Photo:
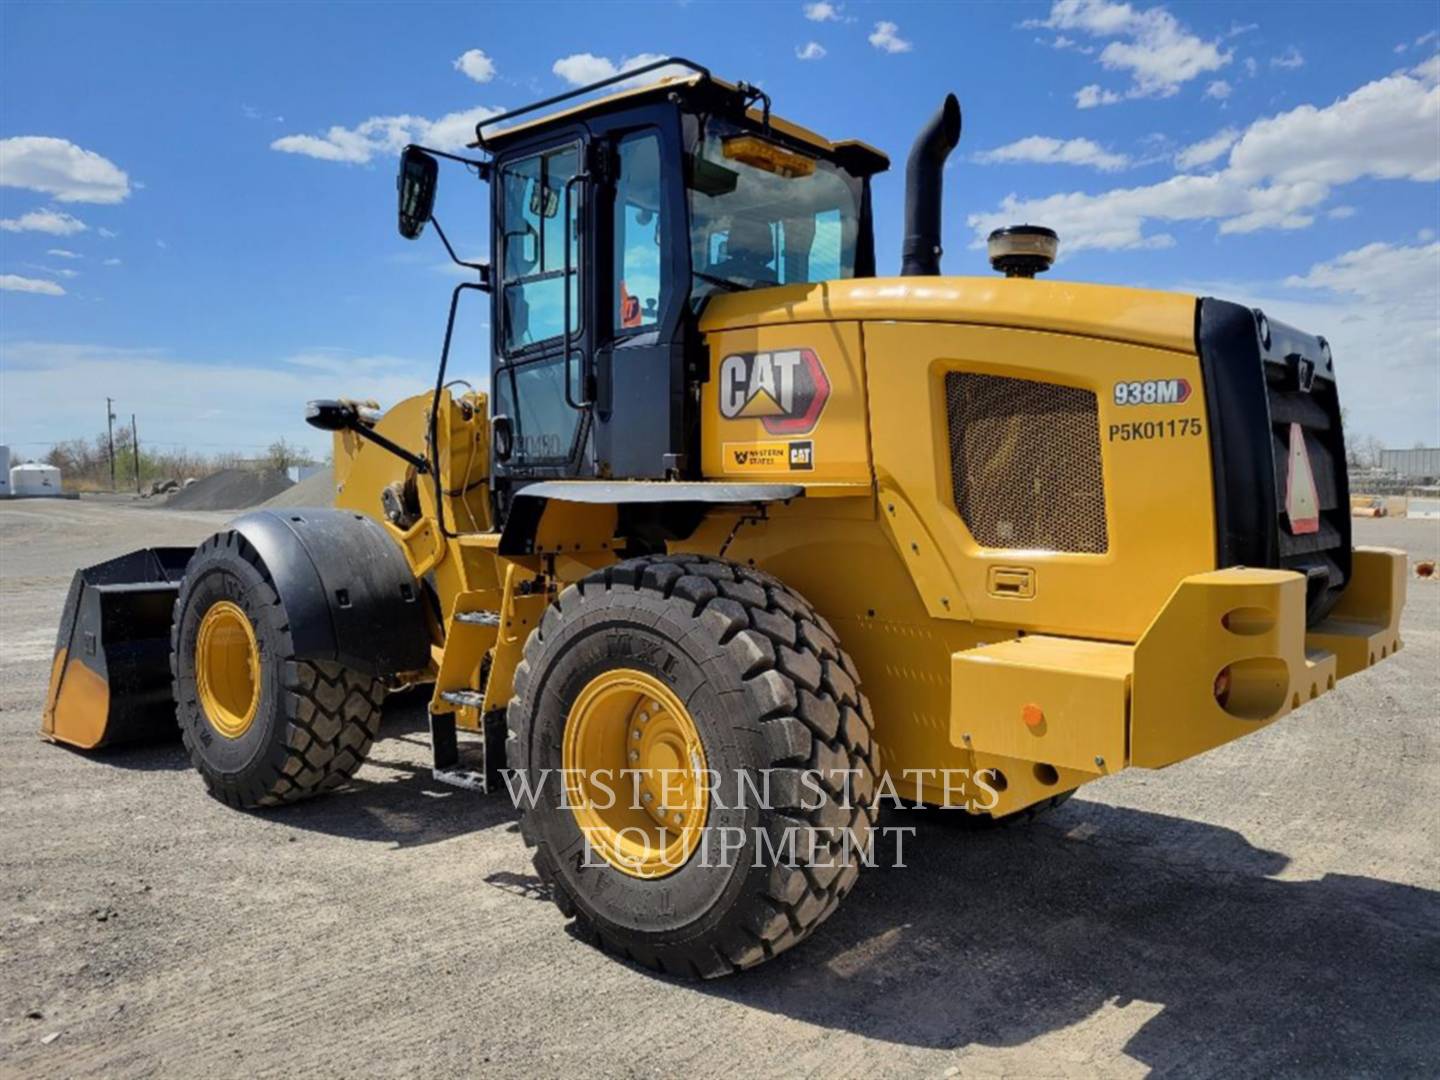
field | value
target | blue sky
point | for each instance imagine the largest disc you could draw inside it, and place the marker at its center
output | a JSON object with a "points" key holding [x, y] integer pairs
{"points": [[197, 201]]}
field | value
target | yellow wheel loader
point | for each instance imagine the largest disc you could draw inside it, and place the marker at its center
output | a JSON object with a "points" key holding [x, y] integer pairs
{"points": [[745, 540]]}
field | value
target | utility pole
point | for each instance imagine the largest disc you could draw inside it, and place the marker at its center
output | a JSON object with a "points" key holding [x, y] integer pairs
{"points": [[135, 445], [110, 427]]}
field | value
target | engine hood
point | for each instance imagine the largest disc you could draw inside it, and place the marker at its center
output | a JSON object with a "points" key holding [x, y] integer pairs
{"points": [[1164, 320]]}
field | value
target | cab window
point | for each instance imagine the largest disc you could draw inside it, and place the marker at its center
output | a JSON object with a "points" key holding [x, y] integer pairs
{"points": [[763, 214], [533, 235], [637, 234]]}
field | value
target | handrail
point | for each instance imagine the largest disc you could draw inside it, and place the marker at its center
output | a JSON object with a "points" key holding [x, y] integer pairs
{"points": [[623, 76], [568, 335]]}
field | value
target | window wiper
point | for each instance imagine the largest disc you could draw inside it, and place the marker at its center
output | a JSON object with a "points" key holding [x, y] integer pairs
{"points": [[724, 283]]}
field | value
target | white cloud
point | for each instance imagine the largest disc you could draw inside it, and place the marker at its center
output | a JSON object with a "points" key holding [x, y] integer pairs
{"points": [[1251, 66], [1206, 150], [1378, 273], [886, 37], [1279, 173], [1236, 29], [1157, 51], [1379, 292], [1340, 213], [46, 221], [16, 283], [1429, 70], [193, 401], [811, 50], [1063, 43], [581, 69], [1219, 90], [476, 65], [112, 262], [60, 272], [387, 135], [1290, 59], [1087, 97], [1388, 129], [820, 11], [59, 168], [108, 234], [62, 253], [1043, 150]]}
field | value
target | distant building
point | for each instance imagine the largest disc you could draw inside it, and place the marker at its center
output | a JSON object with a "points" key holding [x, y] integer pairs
{"points": [[34, 478], [1418, 464]]}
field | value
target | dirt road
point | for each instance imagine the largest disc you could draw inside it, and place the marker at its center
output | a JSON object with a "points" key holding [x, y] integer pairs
{"points": [[1268, 908]]}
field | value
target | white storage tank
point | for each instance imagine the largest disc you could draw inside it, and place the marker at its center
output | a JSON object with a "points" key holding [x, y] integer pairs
{"points": [[4, 471], [35, 479]]}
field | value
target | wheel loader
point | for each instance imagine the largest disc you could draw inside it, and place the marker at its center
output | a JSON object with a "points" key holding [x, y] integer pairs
{"points": [[745, 540]]}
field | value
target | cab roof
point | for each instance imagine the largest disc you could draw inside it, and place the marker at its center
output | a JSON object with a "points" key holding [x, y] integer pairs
{"points": [[860, 157]]}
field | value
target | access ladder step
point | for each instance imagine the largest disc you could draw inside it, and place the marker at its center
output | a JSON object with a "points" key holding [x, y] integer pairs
{"points": [[466, 699], [474, 763], [478, 618]]}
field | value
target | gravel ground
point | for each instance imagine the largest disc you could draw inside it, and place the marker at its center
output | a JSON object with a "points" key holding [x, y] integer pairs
{"points": [[1268, 908]]}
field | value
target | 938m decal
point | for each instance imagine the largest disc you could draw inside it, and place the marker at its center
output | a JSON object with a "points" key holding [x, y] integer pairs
{"points": [[785, 390], [1152, 392]]}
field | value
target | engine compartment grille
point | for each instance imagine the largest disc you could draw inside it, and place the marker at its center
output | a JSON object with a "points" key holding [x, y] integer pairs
{"points": [[1025, 463]]}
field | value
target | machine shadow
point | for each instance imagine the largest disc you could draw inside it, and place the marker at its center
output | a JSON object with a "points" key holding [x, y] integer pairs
{"points": [[997, 939], [394, 799]]}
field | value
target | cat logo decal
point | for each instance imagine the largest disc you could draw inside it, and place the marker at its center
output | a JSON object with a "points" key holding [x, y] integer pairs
{"points": [[785, 390]]}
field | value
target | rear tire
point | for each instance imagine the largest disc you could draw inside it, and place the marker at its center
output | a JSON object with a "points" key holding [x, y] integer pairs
{"points": [[310, 722], [766, 685]]}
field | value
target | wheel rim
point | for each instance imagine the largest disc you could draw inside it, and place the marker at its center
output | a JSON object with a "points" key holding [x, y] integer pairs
{"points": [[227, 669], [627, 732]]}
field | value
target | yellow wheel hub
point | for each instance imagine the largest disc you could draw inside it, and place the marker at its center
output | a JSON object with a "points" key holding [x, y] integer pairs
{"points": [[635, 774], [227, 669]]}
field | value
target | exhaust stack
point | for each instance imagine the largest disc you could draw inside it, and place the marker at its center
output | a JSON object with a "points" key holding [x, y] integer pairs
{"points": [[924, 180]]}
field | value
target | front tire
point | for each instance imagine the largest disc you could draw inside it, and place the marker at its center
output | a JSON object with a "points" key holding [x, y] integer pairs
{"points": [[261, 726], [731, 659]]}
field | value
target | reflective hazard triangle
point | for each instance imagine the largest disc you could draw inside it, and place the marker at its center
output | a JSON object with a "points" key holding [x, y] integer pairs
{"points": [[1302, 501]]}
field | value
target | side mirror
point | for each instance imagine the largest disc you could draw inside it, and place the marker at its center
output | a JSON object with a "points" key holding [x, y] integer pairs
{"points": [[416, 184]]}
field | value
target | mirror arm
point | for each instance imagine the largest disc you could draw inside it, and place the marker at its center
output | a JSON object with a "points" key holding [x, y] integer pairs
{"points": [[433, 438], [482, 168], [483, 269]]}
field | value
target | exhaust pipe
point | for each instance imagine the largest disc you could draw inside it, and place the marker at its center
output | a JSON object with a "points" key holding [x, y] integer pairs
{"points": [[924, 176]]}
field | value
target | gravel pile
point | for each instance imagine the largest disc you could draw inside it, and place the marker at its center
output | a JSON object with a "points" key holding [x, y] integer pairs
{"points": [[316, 490], [230, 489]]}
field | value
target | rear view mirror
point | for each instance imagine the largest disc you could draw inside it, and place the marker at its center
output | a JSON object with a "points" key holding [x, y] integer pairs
{"points": [[416, 184], [544, 201]]}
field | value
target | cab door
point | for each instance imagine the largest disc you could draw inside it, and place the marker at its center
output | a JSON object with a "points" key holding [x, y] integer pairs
{"points": [[538, 380], [642, 364]]}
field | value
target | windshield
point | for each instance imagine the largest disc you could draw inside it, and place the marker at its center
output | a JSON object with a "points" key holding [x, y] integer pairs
{"points": [[761, 214]]}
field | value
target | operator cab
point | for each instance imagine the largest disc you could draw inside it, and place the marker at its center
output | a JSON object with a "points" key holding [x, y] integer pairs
{"points": [[612, 222]]}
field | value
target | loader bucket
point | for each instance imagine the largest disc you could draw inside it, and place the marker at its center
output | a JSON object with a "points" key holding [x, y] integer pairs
{"points": [[110, 679]]}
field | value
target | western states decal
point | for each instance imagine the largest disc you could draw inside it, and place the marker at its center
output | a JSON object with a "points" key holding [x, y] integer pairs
{"points": [[797, 456], [785, 390]]}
